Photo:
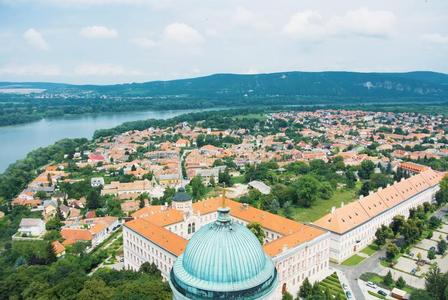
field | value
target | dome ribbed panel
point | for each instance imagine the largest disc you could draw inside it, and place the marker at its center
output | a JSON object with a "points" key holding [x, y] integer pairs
{"points": [[224, 253]]}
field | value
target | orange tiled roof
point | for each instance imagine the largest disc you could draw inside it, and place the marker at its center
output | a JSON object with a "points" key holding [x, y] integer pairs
{"points": [[159, 235], [73, 235], [305, 234], [248, 213], [354, 214], [58, 247]]}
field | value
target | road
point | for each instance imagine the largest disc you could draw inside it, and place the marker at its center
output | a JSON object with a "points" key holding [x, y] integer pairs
{"points": [[352, 273]]}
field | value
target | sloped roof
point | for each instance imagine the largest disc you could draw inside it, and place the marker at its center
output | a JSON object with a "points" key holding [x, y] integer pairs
{"points": [[159, 235], [354, 214]]}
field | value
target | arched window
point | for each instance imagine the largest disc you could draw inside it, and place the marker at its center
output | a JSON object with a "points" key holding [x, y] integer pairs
{"points": [[193, 228], [189, 228]]}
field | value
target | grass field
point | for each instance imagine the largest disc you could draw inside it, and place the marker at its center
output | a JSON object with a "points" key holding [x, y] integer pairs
{"points": [[334, 285], [353, 260], [323, 207], [370, 250], [259, 116]]}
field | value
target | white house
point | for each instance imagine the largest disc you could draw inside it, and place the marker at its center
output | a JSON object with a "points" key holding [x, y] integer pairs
{"points": [[31, 227]]}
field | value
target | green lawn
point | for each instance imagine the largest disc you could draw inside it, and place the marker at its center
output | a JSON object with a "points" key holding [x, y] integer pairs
{"points": [[323, 207], [237, 179], [376, 295], [353, 260], [333, 284], [378, 280], [370, 250], [260, 117]]}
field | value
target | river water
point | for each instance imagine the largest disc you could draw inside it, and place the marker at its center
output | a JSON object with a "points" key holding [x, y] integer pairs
{"points": [[16, 141]]}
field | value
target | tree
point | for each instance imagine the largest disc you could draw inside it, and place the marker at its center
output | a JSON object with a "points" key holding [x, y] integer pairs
{"points": [[53, 224], [431, 254], [434, 222], [141, 203], [212, 181], [366, 169], [93, 199], [306, 289], [150, 268], [40, 195], [224, 178], [401, 283], [365, 188], [256, 229], [307, 190], [197, 187], [442, 246], [397, 224], [388, 279], [95, 289], [351, 179], [379, 180], [287, 296], [436, 282], [325, 190], [392, 251], [420, 295], [410, 231], [442, 193], [382, 234]]}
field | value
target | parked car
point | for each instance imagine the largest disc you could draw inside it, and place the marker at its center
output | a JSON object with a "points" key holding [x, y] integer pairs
{"points": [[371, 284], [382, 293], [432, 248], [348, 294], [413, 271], [344, 286]]}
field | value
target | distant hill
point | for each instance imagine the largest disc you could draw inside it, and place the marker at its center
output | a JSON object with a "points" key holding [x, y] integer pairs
{"points": [[283, 85]]}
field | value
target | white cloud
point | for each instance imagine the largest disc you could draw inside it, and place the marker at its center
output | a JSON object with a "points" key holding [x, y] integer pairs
{"points": [[100, 32], [34, 69], [143, 42], [88, 3], [183, 34], [311, 25], [248, 18], [436, 38], [104, 70], [35, 39], [305, 25]]}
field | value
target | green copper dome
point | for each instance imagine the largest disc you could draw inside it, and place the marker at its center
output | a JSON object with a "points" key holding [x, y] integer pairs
{"points": [[223, 260]]}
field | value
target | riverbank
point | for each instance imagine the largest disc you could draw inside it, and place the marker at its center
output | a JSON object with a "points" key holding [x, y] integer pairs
{"points": [[18, 140]]}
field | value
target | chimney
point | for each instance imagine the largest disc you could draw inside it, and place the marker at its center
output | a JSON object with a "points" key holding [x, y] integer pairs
{"points": [[342, 204], [333, 210], [285, 247]]}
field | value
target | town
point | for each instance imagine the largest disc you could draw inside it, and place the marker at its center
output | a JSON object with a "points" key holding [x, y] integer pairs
{"points": [[348, 203]]}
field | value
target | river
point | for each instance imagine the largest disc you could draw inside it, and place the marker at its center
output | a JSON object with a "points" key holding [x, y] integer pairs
{"points": [[16, 141]]}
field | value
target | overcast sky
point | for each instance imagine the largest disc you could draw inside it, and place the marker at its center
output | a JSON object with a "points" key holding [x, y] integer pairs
{"points": [[114, 41]]}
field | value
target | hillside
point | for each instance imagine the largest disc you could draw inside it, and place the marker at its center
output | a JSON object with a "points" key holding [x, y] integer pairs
{"points": [[325, 85]]}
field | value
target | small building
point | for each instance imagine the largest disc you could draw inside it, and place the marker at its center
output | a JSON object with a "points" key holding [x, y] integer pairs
{"points": [[97, 181], [31, 227], [260, 186], [58, 248], [399, 294]]}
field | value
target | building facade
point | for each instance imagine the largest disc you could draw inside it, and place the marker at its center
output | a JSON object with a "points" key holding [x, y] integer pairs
{"points": [[353, 226], [160, 234]]}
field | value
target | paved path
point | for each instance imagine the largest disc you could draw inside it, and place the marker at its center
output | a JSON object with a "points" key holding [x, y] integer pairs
{"points": [[352, 273]]}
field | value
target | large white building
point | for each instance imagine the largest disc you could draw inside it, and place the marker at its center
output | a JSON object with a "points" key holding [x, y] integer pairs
{"points": [[352, 227], [159, 234]]}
